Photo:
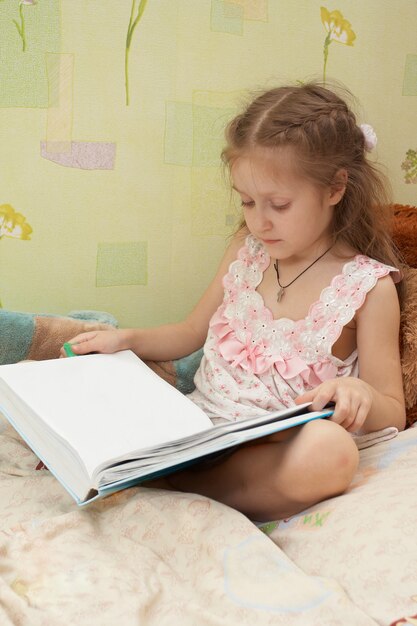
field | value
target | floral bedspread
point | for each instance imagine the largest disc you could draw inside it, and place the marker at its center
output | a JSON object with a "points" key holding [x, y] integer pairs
{"points": [[149, 557]]}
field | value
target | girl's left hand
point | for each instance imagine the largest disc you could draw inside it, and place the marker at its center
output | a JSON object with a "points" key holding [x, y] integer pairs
{"points": [[352, 397]]}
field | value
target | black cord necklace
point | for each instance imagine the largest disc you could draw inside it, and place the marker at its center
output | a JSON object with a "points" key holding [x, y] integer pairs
{"points": [[282, 288]]}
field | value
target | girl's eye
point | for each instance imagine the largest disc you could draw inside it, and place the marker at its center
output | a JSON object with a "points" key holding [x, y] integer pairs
{"points": [[247, 204], [280, 207]]}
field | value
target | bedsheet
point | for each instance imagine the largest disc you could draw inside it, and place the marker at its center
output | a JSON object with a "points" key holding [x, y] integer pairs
{"points": [[151, 557], [366, 539]]}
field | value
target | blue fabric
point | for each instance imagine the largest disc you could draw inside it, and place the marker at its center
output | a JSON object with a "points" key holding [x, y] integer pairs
{"points": [[94, 316], [16, 330], [185, 370]]}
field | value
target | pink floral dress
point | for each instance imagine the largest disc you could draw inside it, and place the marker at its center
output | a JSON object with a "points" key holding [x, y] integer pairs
{"points": [[253, 363]]}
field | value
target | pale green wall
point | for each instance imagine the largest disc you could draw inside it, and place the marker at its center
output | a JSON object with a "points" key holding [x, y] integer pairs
{"points": [[160, 214]]}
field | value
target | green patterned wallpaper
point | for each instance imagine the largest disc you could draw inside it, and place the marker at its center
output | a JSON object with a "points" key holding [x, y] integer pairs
{"points": [[112, 116]]}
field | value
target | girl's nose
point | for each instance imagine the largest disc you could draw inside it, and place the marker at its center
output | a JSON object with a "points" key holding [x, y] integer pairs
{"points": [[262, 219]]}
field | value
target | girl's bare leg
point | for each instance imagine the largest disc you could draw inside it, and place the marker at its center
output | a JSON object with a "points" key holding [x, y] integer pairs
{"points": [[280, 475]]}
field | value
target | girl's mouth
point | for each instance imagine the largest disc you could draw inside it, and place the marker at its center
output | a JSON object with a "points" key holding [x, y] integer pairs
{"points": [[271, 241]]}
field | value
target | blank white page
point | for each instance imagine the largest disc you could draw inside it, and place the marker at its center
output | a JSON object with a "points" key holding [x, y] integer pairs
{"points": [[105, 405]]}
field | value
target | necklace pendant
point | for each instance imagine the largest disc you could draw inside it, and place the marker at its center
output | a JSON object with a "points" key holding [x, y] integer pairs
{"points": [[280, 294]]}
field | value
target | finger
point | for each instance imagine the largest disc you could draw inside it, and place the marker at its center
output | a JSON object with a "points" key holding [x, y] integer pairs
{"points": [[359, 419], [82, 337], [305, 397], [319, 397], [323, 396], [348, 414], [343, 411], [85, 347], [349, 423], [360, 407], [84, 343]]}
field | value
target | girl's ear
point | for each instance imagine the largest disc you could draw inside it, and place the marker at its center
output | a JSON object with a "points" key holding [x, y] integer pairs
{"points": [[338, 186]]}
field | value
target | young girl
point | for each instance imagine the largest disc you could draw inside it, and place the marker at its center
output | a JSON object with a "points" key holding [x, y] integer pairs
{"points": [[303, 307]]}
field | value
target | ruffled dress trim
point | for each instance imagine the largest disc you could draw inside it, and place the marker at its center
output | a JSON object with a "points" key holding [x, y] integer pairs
{"points": [[247, 336]]}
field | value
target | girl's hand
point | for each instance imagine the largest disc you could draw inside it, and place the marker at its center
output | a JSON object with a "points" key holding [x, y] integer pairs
{"points": [[352, 397], [104, 341]]}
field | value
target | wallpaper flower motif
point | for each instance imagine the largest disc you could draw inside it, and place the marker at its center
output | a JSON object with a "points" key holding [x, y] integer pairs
{"points": [[409, 165], [338, 29], [21, 27], [13, 224], [134, 20]]}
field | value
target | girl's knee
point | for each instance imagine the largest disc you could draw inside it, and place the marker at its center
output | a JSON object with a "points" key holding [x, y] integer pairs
{"points": [[343, 455], [335, 444], [325, 461]]}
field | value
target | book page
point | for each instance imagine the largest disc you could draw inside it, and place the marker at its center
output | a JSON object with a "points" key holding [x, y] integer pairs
{"points": [[160, 463], [105, 405]]}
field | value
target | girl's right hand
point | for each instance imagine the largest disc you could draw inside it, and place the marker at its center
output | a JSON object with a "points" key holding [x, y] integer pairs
{"points": [[104, 341]]}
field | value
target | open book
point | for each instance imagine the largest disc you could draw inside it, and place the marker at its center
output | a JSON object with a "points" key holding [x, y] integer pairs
{"points": [[103, 422]]}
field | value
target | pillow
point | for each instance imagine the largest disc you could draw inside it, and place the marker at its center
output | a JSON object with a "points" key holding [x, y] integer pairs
{"points": [[29, 336]]}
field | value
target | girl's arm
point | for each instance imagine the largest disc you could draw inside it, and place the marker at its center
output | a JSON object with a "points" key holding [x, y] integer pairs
{"points": [[170, 341], [378, 327], [375, 400]]}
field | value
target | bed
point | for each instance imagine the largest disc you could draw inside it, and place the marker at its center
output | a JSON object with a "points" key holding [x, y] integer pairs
{"points": [[152, 557], [146, 556]]}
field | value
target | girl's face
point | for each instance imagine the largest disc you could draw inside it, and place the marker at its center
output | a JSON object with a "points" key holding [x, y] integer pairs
{"points": [[290, 215]]}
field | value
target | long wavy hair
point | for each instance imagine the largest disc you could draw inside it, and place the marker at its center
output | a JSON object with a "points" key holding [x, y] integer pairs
{"points": [[324, 138]]}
